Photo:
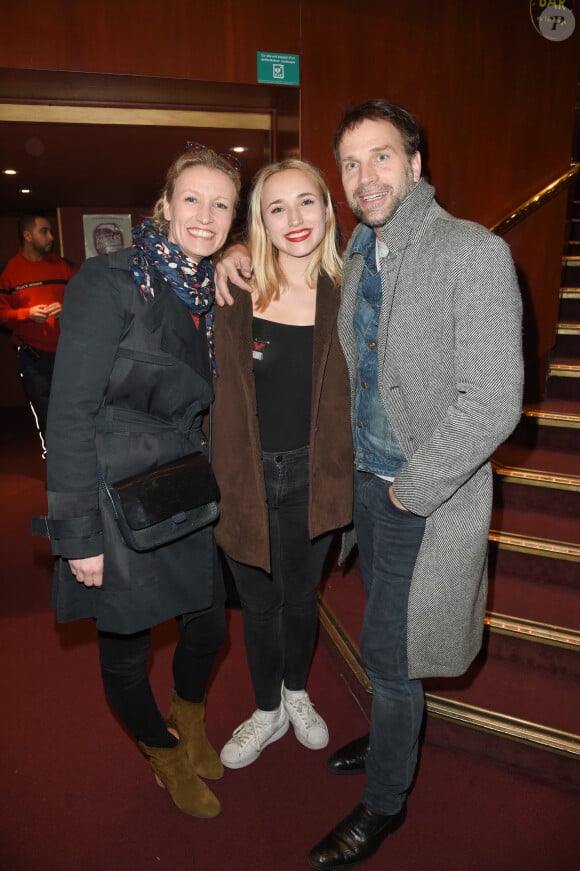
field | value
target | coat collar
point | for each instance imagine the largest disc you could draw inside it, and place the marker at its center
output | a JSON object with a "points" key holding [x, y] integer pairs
{"points": [[403, 225], [168, 319]]}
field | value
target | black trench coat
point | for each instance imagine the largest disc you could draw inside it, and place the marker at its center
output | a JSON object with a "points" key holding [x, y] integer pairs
{"points": [[130, 389]]}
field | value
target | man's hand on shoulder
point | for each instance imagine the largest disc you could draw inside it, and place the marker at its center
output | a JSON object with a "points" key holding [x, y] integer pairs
{"points": [[236, 266]]}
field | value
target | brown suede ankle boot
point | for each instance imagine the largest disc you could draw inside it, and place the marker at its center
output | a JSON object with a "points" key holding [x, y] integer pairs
{"points": [[173, 772], [187, 718]]}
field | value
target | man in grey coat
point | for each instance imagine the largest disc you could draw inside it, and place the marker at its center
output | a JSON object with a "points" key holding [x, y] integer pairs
{"points": [[430, 325]]}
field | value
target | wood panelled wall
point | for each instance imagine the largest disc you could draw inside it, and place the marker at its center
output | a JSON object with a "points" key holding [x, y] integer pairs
{"points": [[495, 98]]}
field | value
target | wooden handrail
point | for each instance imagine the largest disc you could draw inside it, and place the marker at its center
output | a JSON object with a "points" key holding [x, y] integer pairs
{"points": [[565, 180]]}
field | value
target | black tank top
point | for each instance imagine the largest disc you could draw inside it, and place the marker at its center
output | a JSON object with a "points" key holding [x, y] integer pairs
{"points": [[283, 376]]}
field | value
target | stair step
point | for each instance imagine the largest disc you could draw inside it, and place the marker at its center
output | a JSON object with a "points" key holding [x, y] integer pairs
{"points": [[551, 650], [540, 568], [529, 458], [516, 533], [558, 504], [553, 647], [564, 375], [549, 425], [489, 735], [549, 413], [568, 329], [537, 477], [515, 690], [537, 598], [546, 751], [516, 729], [571, 270], [566, 347], [570, 304], [563, 385], [563, 388], [534, 630], [565, 370]]}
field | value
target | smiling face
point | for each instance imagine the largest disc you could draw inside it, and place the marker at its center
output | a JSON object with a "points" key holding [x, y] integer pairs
{"points": [[200, 211], [376, 172], [294, 213]]}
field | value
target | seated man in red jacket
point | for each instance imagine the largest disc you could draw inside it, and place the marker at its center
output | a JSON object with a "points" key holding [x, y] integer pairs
{"points": [[31, 292]]}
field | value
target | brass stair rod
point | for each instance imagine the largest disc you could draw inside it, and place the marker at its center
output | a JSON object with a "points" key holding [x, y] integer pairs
{"points": [[565, 180]]}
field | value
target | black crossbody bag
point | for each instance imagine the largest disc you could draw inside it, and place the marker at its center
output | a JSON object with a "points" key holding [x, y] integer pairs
{"points": [[157, 507]]}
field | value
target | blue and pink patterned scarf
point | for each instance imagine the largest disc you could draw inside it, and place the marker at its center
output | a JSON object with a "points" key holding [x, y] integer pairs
{"points": [[154, 255]]}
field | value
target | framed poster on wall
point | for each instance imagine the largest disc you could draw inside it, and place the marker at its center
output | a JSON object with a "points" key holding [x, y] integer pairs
{"points": [[106, 233]]}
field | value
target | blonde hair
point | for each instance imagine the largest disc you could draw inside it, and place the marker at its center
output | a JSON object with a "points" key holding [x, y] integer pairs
{"points": [[268, 274], [200, 157]]}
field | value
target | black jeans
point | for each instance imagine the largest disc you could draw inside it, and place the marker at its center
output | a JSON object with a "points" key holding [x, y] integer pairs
{"points": [[36, 369], [280, 608], [124, 669]]}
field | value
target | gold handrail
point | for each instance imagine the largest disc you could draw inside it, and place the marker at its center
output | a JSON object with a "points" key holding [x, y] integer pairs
{"points": [[565, 180]]}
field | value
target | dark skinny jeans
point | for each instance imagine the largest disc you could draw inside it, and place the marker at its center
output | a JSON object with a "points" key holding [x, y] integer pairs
{"points": [[124, 669], [280, 608], [389, 540]]}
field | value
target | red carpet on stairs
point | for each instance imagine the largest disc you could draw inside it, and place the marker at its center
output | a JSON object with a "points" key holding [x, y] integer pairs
{"points": [[76, 793]]}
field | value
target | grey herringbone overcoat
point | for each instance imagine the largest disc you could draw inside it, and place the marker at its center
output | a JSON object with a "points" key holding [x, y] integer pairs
{"points": [[450, 378]]}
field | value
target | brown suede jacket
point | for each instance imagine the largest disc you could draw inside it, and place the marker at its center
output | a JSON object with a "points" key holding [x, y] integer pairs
{"points": [[242, 530]]}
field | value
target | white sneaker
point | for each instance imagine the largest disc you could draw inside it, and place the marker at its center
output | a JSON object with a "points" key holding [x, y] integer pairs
{"points": [[250, 738], [309, 727]]}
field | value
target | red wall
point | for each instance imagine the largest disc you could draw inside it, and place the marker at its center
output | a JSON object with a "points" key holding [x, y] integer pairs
{"points": [[496, 99]]}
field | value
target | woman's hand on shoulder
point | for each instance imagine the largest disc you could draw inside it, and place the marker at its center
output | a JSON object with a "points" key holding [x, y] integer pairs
{"points": [[88, 570], [236, 266]]}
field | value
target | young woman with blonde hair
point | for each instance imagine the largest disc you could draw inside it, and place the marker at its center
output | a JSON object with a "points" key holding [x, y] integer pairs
{"points": [[282, 447]]}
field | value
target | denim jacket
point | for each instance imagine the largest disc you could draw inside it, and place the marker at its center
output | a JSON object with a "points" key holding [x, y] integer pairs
{"points": [[375, 444]]}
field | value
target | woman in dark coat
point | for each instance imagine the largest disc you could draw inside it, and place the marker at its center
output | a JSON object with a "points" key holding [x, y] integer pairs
{"points": [[282, 447], [131, 386]]}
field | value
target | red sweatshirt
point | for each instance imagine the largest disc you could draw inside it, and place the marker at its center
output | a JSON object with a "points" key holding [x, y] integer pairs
{"points": [[23, 284]]}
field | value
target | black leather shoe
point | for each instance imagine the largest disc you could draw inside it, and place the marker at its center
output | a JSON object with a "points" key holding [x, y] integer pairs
{"points": [[351, 758], [354, 840]]}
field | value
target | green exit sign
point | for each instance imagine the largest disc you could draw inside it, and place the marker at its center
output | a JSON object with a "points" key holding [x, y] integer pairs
{"points": [[278, 69]]}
